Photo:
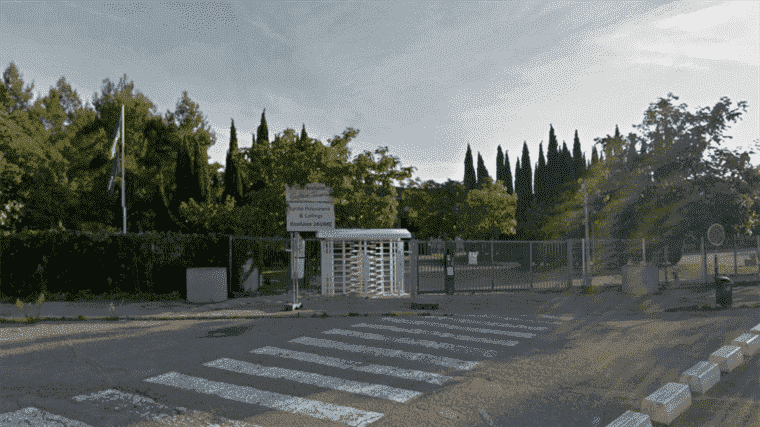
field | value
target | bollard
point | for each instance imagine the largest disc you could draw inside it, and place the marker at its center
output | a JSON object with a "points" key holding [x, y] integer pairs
{"points": [[724, 291]]}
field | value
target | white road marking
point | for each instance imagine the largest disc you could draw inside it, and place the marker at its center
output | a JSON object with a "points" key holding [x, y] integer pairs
{"points": [[505, 325], [493, 316], [424, 343], [436, 333], [324, 411], [367, 389], [461, 328], [429, 358], [409, 374]]}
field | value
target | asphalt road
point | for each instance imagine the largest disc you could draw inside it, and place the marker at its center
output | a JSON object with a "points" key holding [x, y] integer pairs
{"points": [[594, 358]]}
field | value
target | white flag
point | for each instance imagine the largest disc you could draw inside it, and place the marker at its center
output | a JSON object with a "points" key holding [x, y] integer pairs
{"points": [[115, 169], [116, 135]]}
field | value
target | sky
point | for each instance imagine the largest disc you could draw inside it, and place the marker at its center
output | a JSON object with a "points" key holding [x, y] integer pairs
{"points": [[423, 79]]}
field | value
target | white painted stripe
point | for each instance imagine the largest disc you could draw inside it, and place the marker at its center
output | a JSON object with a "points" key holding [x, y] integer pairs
{"points": [[429, 358], [282, 402], [504, 325], [367, 389], [462, 328], [424, 343], [334, 362], [436, 333], [493, 316], [36, 418]]}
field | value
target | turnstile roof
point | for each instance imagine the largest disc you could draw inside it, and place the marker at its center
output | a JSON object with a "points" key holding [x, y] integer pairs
{"points": [[364, 233]]}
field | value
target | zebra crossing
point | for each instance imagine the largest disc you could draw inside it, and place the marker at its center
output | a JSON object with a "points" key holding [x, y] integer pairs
{"points": [[382, 348]]}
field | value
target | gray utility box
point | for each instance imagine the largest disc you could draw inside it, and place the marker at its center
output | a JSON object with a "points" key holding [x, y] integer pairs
{"points": [[640, 279], [207, 284]]}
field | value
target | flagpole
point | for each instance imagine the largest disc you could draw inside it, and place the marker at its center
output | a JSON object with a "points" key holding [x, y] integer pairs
{"points": [[123, 166]]}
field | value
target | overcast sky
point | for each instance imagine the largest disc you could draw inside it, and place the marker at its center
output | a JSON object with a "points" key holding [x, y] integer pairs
{"points": [[424, 79]]}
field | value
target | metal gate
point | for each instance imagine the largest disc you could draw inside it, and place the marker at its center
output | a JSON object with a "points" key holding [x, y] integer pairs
{"points": [[484, 266]]}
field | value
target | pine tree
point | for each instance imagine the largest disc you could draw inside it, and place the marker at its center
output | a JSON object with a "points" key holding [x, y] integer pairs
{"points": [[508, 174], [500, 166], [262, 133], [233, 184], [470, 180], [483, 175]]}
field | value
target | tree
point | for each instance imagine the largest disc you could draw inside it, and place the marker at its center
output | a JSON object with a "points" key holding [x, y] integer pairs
{"points": [[436, 209], [488, 212], [470, 180], [666, 193], [554, 168], [482, 172], [540, 176], [500, 176], [508, 173], [232, 178], [19, 97], [201, 172], [184, 177], [578, 160], [262, 133]]}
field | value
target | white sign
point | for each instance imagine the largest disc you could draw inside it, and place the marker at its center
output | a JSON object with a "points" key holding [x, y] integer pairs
{"points": [[310, 208], [310, 216], [314, 193], [473, 258], [299, 253]]}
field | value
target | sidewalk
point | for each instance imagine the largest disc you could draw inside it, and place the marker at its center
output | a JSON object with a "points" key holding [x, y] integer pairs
{"points": [[514, 301]]}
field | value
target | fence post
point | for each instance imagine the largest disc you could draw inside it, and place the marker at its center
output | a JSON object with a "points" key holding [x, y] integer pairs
{"points": [[703, 259], [491, 253], [757, 255], [735, 239], [530, 263]]}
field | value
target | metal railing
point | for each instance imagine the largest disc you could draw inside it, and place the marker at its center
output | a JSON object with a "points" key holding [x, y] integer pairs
{"points": [[485, 265]]}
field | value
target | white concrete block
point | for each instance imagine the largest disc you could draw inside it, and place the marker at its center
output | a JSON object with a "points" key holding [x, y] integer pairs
{"points": [[727, 357], [701, 377], [749, 343], [631, 419], [667, 403], [755, 330]]}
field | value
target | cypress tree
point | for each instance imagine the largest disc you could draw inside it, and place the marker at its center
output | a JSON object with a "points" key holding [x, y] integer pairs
{"points": [[483, 175], [508, 173], [184, 178], [201, 173], [594, 156], [553, 168], [500, 166], [470, 180], [518, 181], [233, 184], [527, 174], [262, 133], [540, 178], [578, 161]]}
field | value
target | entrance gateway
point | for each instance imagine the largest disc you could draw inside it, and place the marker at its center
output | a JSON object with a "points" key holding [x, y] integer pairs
{"points": [[365, 262]]}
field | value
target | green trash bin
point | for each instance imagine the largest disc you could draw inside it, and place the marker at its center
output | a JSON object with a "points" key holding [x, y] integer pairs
{"points": [[724, 295]]}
